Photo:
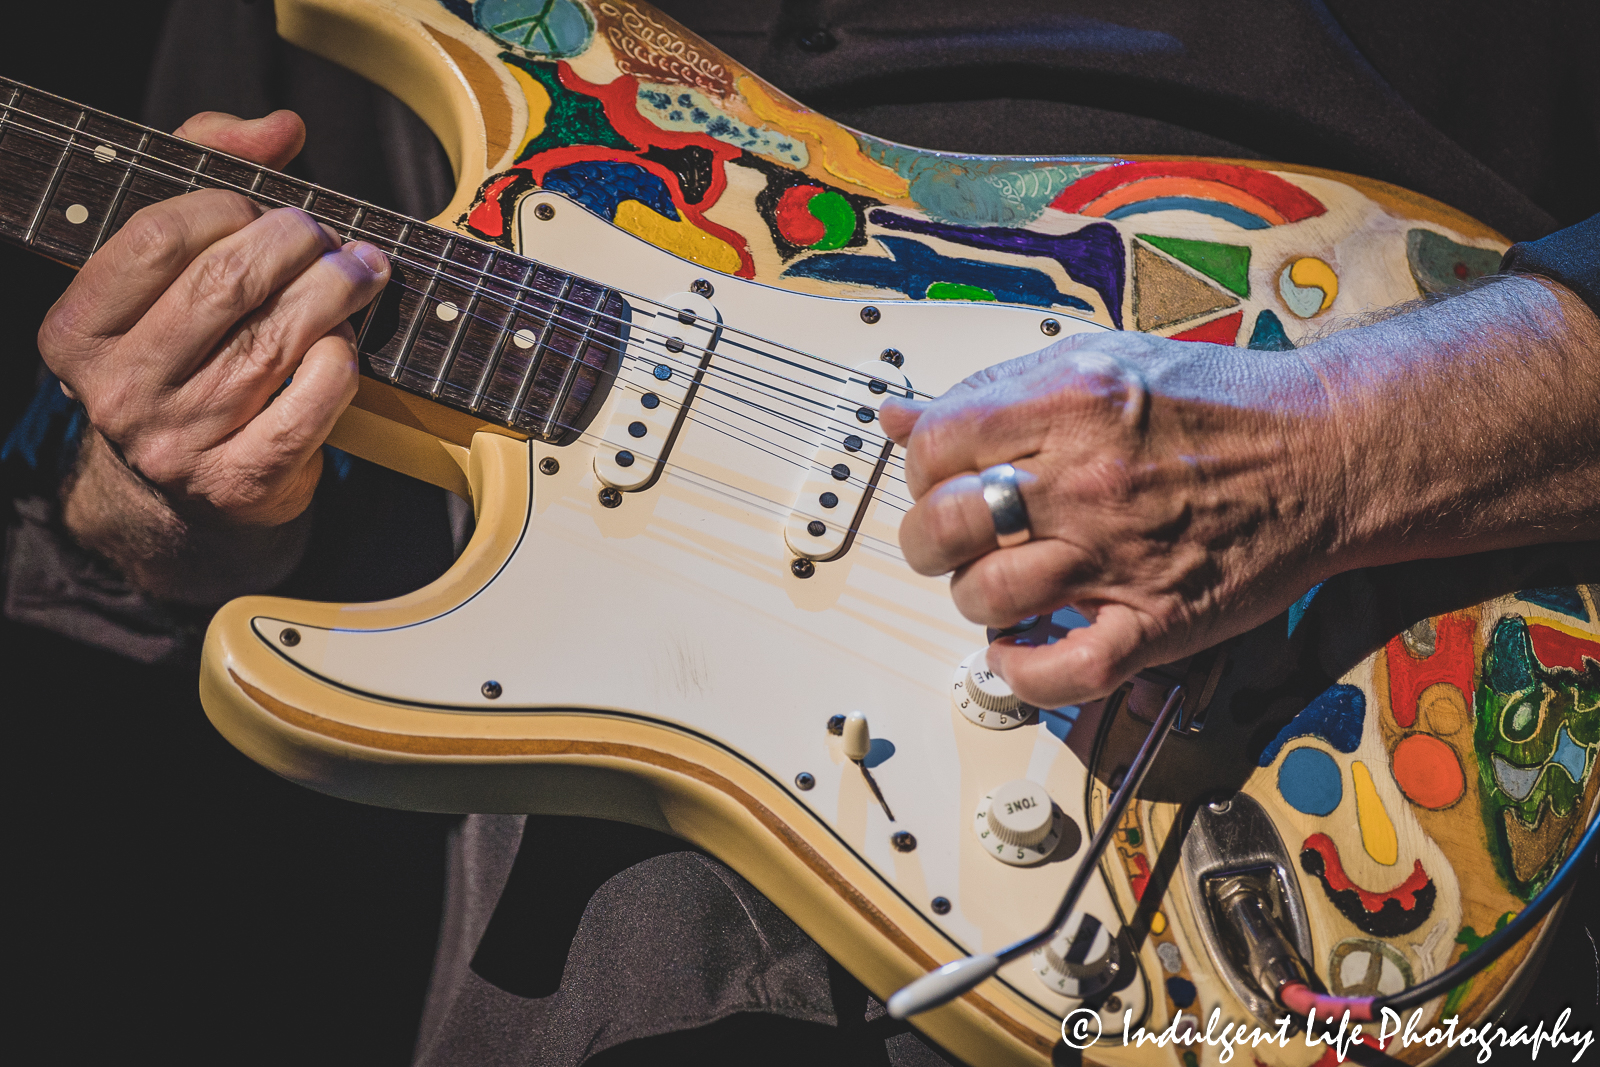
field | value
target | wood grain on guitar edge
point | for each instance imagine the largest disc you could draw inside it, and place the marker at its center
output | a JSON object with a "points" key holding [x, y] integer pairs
{"points": [[434, 745]]}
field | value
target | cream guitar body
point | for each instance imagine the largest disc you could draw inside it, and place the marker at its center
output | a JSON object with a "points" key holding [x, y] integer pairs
{"points": [[685, 577]]}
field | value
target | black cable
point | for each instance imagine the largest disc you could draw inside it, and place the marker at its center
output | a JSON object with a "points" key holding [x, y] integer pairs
{"points": [[1495, 945]]}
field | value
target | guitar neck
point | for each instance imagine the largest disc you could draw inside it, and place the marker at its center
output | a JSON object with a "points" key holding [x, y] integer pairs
{"points": [[467, 324]]}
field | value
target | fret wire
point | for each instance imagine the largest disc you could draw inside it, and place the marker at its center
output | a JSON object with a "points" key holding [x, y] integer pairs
{"points": [[16, 94], [55, 179], [536, 358], [355, 223], [372, 308], [460, 335], [491, 364], [260, 180], [197, 172], [119, 197], [418, 317], [311, 197], [571, 377]]}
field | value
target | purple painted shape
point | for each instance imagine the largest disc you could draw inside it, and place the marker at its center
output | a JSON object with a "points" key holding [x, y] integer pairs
{"points": [[1092, 255]]}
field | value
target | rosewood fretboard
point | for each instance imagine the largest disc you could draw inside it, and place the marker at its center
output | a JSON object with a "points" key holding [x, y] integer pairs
{"points": [[464, 323]]}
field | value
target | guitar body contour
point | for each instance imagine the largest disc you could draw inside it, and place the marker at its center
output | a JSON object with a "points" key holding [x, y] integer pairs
{"points": [[667, 651]]}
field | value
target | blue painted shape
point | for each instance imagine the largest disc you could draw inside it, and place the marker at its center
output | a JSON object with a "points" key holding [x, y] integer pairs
{"points": [[1268, 335], [1309, 781], [601, 184], [1297, 610], [1569, 755], [1181, 990], [1562, 598], [1336, 716], [339, 461], [915, 266], [1059, 721], [1092, 255], [880, 749], [1245, 220]]}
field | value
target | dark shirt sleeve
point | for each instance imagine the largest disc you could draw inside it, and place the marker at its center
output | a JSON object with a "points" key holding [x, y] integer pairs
{"points": [[1570, 256]]}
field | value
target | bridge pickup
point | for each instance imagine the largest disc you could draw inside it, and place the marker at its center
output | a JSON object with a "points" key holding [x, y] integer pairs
{"points": [[849, 460], [666, 354]]}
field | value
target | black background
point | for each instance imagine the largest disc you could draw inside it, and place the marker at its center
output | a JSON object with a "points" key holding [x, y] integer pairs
{"points": [[172, 899]]}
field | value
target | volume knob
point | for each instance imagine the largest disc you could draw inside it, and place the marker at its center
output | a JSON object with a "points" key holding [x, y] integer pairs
{"points": [[984, 697]]}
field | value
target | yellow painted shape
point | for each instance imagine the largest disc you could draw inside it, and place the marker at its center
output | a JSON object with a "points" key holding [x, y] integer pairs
{"points": [[841, 154], [538, 105], [1377, 829], [1312, 272], [1158, 924], [681, 238]]}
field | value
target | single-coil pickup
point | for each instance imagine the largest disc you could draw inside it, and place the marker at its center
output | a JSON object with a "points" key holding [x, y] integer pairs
{"points": [[851, 454], [667, 352]]}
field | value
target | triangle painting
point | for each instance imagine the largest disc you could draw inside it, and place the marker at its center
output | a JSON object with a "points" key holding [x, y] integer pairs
{"points": [[1228, 264], [1223, 331], [1164, 294]]}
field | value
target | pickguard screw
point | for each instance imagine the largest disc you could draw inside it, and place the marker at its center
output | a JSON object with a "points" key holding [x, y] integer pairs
{"points": [[549, 465], [1113, 1004], [803, 568], [903, 842], [1050, 327], [836, 725], [701, 287], [941, 905], [290, 637], [870, 314], [611, 497], [893, 357], [544, 212], [492, 689], [803, 781]]}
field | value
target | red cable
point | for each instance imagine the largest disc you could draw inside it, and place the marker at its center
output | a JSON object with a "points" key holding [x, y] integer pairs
{"points": [[1301, 999]]}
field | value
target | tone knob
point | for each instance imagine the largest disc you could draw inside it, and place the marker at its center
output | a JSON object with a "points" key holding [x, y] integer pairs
{"points": [[1080, 961], [984, 697], [1018, 823]]}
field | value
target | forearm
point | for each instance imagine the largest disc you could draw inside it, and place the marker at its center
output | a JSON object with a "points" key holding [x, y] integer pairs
{"points": [[187, 559], [1467, 425]]}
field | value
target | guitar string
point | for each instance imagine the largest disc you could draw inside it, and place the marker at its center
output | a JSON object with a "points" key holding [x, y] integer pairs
{"points": [[223, 183], [515, 306], [895, 462], [881, 491]]}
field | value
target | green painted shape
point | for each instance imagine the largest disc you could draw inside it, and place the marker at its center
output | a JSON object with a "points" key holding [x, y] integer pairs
{"points": [[957, 291], [837, 217], [1227, 264], [1469, 937], [572, 119], [1438, 263]]}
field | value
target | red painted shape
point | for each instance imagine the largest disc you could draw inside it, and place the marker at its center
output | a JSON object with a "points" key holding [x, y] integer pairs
{"points": [[1293, 202], [795, 220], [1451, 662], [488, 218], [1557, 648], [1140, 881], [1223, 331], [1427, 771], [1333, 870], [619, 100]]}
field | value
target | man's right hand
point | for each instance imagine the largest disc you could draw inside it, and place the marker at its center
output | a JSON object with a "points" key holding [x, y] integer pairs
{"points": [[178, 336]]}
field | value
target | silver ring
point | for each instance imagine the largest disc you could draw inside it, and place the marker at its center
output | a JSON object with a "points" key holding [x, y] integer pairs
{"points": [[1006, 508]]}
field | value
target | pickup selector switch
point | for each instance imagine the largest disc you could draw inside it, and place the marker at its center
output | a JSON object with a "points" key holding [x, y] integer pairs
{"points": [[1018, 823], [984, 697]]}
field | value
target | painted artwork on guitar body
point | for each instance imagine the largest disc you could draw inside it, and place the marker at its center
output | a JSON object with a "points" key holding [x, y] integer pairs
{"points": [[646, 125]]}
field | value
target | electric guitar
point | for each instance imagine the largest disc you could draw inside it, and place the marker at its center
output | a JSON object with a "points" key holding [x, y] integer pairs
{"points": [[648, 339]]}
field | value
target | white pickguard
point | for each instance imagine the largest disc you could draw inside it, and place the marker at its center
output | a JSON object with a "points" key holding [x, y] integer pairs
{"points": [[680, 606]]}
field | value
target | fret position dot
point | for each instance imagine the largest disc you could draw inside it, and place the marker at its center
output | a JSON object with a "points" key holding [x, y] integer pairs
{"points": [[447, 311], [77, 214], [524, 338], [105, 153]]}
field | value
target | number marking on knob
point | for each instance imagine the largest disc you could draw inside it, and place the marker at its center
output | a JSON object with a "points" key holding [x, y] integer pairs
{"points": [[1018, 823], [983, 696]]}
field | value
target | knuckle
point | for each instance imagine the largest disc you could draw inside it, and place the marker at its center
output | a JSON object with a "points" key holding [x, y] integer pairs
{"points": [[152, 241], [222, 282]]}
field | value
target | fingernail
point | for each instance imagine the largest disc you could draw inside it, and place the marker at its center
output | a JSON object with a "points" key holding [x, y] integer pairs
{"points": [[370, 255]]}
